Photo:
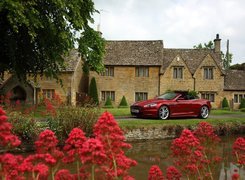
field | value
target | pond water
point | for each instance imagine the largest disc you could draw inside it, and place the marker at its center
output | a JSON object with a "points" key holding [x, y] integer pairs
{"points": [[157, 152]]}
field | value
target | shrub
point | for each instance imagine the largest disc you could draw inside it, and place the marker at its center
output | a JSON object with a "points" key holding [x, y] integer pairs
{"points": [[108, 103], [225, 103], [192, 94], [93, 91], [123, 102], [242, 105], [24, 126], [70, 117]]}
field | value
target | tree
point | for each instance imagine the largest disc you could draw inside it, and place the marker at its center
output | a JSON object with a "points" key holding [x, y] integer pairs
{"points": [[209, 45], [226, 58], [238, 66], [35, 35], [93, 91]]}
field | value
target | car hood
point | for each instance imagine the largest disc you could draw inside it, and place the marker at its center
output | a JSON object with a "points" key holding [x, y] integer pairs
{"points": [[142, 103]]}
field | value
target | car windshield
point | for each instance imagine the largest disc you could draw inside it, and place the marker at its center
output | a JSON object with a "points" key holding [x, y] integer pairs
{"points": [[167, 96]]}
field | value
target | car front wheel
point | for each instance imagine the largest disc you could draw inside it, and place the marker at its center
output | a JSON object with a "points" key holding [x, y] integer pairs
{"points": [[204, 112], [163, 112]]}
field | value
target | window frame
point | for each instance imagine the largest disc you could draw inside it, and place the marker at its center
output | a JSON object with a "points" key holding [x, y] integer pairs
{"points": [[105, 94], [208, 73], [142, 71], [48, 93], [109, 71], [143, 96], [208, 95], [178, 72]]}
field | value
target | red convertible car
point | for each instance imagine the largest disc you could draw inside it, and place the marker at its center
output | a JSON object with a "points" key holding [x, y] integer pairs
{"points": [[172, 105]]}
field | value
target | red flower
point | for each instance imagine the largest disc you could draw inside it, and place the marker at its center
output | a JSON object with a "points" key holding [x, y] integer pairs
{"points": [[7, 139], [239, 150], [111, 136], [10, 166], [235, 176], [92, 152], [46, 142], [173, 173], [155, 173], [74, 144], [64, 174]]}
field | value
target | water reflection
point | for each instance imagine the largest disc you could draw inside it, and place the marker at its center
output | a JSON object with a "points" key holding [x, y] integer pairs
{"points": [[148, 153]]}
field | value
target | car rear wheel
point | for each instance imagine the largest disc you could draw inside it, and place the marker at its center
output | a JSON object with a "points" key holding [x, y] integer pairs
{"points": [[204, 112], [163, 112]]}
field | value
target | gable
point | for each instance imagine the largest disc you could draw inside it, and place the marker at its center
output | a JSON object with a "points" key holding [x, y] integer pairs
{"points": [[179, 62], [192, 57], [208, 61]]}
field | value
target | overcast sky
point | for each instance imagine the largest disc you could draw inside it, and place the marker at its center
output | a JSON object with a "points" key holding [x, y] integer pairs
{"points": [[179, 23]]}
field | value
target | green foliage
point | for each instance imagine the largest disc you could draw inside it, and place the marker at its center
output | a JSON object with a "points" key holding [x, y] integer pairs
{"points": [[93, 91], [225, 103], [192, 94], [226, 58], [209, 45], [242, 110], [69, 117], [123, 102], [45, 31], [108, 103], [24, 126], [242, 105], [238, 66]]}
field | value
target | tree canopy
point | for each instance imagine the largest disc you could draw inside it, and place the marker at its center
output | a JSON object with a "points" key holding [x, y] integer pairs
{"points": [[226, 58], [35, 35]]}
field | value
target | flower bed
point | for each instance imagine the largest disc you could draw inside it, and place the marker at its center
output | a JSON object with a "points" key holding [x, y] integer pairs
{"points": [[102, 156]]}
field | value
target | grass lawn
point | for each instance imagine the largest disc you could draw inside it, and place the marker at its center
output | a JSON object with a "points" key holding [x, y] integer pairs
{"points": [[144, 123], [126, 111], [138, 123]]}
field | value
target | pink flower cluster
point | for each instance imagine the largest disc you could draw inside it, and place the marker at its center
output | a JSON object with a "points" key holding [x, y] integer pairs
{"points": [[239, 150], [101, 157], [7, 139], [172, 173]]}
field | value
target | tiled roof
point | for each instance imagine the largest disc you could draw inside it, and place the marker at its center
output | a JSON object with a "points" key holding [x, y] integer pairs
{"points": [[234, 80], [192, 57], [71, 61], [133, 53]]}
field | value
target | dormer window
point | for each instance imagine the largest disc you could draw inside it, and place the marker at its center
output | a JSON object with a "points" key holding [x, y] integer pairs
{"points": [[208, 73], [178, 72]]}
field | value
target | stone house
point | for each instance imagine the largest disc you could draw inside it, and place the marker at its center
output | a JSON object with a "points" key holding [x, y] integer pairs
{"points": [[73, 81], [142, 70], [234, 87]]}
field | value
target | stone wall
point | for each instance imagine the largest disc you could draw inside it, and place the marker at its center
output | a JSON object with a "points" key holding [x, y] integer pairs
{"points": [[125, 83], [149, 134]]}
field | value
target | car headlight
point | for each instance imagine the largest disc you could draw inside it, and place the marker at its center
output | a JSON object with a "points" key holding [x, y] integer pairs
{"points": [[150, 105]]}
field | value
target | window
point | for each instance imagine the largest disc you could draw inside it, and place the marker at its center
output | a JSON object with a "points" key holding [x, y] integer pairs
{"points": [[139, 96], [48, 93], [178, 73], [106, 94], [208, 73], [208, 96], [109, 71], [238, 98], [142, 72]]}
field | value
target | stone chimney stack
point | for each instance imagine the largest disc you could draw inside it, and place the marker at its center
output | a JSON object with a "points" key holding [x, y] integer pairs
{"points": [[217, 41]]}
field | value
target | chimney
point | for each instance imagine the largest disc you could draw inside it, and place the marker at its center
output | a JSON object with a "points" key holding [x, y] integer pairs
{"points": [[217, 44]]}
